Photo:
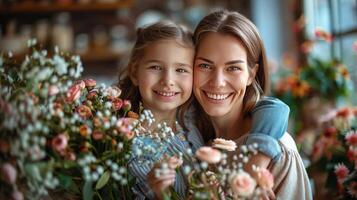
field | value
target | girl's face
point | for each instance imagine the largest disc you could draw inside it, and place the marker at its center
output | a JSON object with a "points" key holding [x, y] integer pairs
{"points": [[221, 74], [164, 75]]}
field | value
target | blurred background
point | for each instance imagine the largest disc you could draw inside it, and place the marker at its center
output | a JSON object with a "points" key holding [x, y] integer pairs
{"points": [[311, 46]]}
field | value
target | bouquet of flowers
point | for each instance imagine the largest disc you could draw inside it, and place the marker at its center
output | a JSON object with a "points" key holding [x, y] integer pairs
{"points": [[217, 172], [60, 134], [335, 151]]}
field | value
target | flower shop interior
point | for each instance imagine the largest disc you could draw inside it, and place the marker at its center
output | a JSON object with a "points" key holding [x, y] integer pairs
{"points": [[311, 47]]}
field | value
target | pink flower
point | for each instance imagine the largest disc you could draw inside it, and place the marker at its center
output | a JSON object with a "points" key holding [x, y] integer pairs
{"points": [[117, 103], [97, 135], [53, 90], [209, 155], [352, 189], [84, 111], [265, 178], [322, 34], [352, 154], [90, 83], [223, 144], [126, 105], [351, 138], [59, 143], [92, 94], [341, 171], [112, 92], [8, 173], [17, 195], [80, 83], [73, 93], [242, 184]]}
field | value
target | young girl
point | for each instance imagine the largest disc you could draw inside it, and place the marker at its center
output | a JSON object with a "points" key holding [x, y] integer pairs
{"points": [[160, 75], [231, 62]]}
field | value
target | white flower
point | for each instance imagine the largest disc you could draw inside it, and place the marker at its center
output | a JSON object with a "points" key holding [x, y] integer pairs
{"points": [[60, 64]]}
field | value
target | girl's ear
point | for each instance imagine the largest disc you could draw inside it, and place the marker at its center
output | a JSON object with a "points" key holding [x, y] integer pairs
{"points": [[253, 73], [133, 75]]}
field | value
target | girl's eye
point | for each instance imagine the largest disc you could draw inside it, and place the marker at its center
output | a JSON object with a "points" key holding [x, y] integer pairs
{"points": [[204, 66], [233, 68], [181, 70], [155, 67]]}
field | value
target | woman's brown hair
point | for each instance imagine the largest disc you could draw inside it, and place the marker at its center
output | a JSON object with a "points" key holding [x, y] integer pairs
{"points": [[235, 24], [163, 30]]}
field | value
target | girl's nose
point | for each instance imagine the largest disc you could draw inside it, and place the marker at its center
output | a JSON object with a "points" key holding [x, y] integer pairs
{"points": [[167, 78]]}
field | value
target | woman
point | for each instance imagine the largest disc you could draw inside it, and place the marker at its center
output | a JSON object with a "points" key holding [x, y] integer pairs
{"points": [[230, 63]]}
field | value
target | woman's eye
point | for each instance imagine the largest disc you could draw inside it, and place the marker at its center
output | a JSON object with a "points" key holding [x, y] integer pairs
{"points": [[204, 66], [233, 68]]}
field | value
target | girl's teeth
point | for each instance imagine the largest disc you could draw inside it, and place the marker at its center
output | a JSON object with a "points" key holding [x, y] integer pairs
{"points": [[167, 94], [217, 96]]}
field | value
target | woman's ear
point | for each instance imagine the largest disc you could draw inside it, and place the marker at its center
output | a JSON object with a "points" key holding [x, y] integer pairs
{"points": [[253, 73]]}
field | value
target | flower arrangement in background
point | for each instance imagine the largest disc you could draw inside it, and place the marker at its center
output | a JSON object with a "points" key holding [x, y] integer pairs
{"points": [[217, 172], [60, 134], [335, 151]]}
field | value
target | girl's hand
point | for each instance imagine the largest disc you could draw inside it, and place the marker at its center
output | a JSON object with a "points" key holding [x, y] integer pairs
{"points": [[160, 179], [268, 195]]}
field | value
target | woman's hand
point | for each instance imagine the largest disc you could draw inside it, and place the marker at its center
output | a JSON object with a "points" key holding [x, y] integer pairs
{"points": [[160, 179]]}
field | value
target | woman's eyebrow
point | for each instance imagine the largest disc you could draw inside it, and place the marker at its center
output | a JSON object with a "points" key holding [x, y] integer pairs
{"points": [[235, 62], [205, 59]]}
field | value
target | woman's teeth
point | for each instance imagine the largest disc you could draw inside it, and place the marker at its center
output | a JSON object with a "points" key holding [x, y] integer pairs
{"points": [[217, 96]]}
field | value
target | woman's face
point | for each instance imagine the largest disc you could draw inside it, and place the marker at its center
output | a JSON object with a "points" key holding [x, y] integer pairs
{"points": [[221, 74]]}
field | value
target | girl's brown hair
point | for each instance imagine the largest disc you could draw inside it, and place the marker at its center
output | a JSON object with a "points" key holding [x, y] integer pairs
{"points": [[235, 24], [163, 30]]}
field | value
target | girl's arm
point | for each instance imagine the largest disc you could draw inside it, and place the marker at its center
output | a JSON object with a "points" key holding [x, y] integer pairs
{"points": [[269, 123]]}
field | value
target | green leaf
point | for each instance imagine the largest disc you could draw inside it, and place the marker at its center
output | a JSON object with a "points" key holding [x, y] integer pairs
{"points": [[87, 190], [103, 180]]}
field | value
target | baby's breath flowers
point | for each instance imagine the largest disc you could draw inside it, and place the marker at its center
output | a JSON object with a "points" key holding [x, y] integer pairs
{"points": [[58, 132]]}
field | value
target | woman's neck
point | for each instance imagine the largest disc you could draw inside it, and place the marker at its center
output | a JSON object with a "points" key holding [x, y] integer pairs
{"points": [[231, 126]]}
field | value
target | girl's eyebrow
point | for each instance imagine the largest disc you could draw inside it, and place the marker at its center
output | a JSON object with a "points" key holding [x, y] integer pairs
{"points": [[184, 64], [153, 61]]}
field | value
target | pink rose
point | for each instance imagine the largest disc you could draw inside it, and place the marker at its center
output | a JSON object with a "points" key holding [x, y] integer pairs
{"points": [[53, 90], [242, 184], [73, 93], [8, 173], [92, 94], [84, 111], [265, 178], [90, 83], [209, 155], [112, 92], [59, 143], [117, 103], [81, 84], [223, 144]]}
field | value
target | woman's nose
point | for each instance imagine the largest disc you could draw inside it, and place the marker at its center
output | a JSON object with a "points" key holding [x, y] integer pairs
{"points": [[218, 79]]}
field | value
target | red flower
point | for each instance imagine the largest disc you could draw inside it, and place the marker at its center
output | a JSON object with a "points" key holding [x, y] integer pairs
{"points": [[322, 34], [92, 95], [117, 103], [330, 132], [351, 138], [341, 171], [97, 135]]}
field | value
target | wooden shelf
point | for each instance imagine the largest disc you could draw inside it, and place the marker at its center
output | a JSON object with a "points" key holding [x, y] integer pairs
{"points": [[30, 7]]}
